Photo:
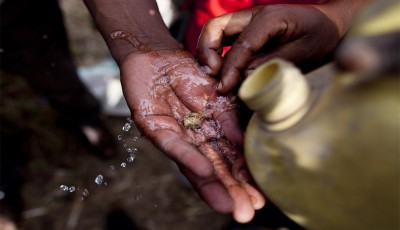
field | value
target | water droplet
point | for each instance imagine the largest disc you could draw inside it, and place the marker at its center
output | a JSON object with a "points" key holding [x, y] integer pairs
{"points": [[131, 159], [126, 127], [44, 36], [123, 164], [129, 120], [124, 145], [85, 192], [112, 167], [135, 138], [1, 50], [72, 189], [64, 188], [131, 150], [99, 179], [119, 137]]}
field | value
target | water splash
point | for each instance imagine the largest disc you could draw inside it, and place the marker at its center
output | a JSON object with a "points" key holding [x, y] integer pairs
{"points": [[85, 192], [131, 150], [128, 143], [126, 127], [131, 158], [64, 188], [99, 179], [72, 189]]}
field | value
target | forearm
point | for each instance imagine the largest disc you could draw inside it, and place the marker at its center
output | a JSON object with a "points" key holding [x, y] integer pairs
{"points": [[341, 12], [140, 18]]}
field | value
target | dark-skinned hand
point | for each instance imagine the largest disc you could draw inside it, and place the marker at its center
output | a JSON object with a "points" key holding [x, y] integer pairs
{"points": [[296, 33], [164, 87]]}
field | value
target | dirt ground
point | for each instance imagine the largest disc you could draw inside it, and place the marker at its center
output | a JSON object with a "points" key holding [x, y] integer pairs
{"points": [[148, 193], [148, 190]]}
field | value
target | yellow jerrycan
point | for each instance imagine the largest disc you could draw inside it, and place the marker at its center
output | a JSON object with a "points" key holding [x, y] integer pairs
{"points": [[325, 147]]}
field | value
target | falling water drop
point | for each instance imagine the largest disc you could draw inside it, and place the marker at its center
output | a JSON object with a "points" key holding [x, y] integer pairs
{"points": [[123, 164], [119, 137], [99, 179], [131, 158], [135, 139], [126, 127], [64, 188], [85, 192], [72, 189]]}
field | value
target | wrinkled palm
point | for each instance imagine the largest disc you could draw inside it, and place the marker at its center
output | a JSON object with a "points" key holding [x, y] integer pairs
{"points": [[167, 93]]}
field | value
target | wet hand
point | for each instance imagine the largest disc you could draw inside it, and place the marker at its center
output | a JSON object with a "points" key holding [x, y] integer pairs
{"points": [[297, 33], [177, 107]]}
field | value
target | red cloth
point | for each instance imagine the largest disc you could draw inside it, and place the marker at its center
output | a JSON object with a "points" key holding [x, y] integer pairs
{"points": [[206, 9]]}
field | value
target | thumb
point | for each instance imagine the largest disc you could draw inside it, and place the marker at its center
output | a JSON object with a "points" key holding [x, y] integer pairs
{"points": [[251, 40]]}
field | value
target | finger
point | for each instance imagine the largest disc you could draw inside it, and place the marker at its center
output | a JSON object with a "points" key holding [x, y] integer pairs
{"points": [[293, 52], [211, 191], [249, 41], [243, 210], [231, 127], [256, 197], [241, 173], [225, 113], [209, 45]]}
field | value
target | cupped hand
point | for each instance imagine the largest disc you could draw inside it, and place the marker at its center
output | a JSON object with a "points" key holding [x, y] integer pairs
{"points": [[175, 104], [296, 33]]}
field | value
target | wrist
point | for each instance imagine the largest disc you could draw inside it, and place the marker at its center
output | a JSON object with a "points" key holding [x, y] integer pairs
{"points": [[123, 44], [341, 12], [139, 21]]}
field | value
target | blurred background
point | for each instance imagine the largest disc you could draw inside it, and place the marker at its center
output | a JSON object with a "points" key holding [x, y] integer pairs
{"points": [[58, 189], [57, 183]]}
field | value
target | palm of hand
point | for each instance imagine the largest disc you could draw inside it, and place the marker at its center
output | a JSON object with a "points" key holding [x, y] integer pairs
{"points": [[166, 93]]}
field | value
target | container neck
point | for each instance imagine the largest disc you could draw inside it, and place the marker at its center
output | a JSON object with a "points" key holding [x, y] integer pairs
{"points": [[278, 93]]}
